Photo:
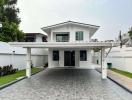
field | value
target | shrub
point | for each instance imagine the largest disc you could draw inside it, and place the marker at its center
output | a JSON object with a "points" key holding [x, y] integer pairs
{"points": [[46, 65], [6, 70], [0, 71]]}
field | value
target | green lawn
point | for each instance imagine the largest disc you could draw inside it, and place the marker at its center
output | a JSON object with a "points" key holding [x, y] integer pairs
{"points": [[20, 73], [122, 72]]}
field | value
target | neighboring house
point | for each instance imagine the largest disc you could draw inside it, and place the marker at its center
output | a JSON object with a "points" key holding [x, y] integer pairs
{"points": [[16, 55], [94, 40], [35, 37], [109, 40], [126, 39], [72, 32]]}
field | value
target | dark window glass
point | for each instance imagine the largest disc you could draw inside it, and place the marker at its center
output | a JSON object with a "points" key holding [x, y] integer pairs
{"points": [[55, 55], [44, 39], [83, 55], [62, 37], [79, 35]]}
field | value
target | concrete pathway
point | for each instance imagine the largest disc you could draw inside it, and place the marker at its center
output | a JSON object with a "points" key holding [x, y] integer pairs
{"points": [[65, 84], [123, 80], [120, 79]]}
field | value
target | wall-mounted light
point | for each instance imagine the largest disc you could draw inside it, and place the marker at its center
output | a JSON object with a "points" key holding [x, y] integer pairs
{"points": [[13, 51]]}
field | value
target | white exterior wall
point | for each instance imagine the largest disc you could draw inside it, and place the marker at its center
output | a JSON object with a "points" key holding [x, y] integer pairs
{"points": [[50, 60], [121, 58], [49, 37], [96, 58], [39, 38], [78, 63], [72, 30], [18, 59], [87, 63]]}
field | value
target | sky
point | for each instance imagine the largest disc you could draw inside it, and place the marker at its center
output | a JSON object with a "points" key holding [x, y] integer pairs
{"points": [[111, 15]]}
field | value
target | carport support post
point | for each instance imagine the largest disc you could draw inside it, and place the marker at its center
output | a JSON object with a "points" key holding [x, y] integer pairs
{"points": [[103, 64], [28, 67]]}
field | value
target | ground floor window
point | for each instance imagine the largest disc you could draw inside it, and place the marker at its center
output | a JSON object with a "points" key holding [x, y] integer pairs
{"points": [[56, 55], [83, 55]]}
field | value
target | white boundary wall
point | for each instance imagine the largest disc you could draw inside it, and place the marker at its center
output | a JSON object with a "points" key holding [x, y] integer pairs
{"points": [[18, 59], [121, 58]]}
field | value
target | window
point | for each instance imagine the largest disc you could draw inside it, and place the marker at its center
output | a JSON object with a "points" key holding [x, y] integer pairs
{"points": [[79, 35], [62, 37], [30, 38], [56, 55], [83, 55]]}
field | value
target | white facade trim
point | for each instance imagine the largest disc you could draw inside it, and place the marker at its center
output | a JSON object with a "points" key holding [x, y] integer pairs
{"points": [[70, 22], [64, 44]]}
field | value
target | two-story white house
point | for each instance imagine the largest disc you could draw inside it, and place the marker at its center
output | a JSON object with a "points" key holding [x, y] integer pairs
{"points": [[72, 32], [69, 45]]}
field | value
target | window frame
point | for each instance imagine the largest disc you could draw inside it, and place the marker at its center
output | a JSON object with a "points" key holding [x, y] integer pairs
{"points": [[62, 36], [83, 53], [55, 55], [79, 35]]}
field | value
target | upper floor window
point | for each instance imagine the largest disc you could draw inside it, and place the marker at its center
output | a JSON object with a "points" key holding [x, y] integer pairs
{"points": [[79, 35], [62, 37]]}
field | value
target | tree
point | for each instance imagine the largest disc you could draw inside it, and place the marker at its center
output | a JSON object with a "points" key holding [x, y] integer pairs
{"points": [[130, 32], [10, 20], [10, 32], [8, 9]]}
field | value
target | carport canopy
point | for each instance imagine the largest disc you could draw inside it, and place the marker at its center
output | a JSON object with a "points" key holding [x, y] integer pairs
{"points": [[86, 45]]}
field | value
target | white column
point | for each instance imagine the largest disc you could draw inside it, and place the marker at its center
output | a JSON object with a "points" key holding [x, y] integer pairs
{"points": [[28, 68], [89, 56], [103, 64], [50, 58], [51, 37], [61, 58], [77, 58]]}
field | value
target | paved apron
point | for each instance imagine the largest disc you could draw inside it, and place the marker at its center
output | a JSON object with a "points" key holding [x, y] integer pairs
{"points": [[65, 84]]}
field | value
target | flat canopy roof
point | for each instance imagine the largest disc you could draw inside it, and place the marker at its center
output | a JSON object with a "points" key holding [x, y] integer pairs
{"points": [[65, 44]]}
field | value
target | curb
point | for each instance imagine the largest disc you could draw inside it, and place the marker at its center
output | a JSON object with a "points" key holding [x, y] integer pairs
{"points": [[12, 82], [17, 80], [124, 87], [38, 71]]}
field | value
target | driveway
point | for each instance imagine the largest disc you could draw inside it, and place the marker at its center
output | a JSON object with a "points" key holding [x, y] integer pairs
{"points": [[65, 84]]}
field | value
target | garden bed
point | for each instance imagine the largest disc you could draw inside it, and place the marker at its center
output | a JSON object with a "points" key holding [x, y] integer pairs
{"points": [[21, 73], [127, 74]]}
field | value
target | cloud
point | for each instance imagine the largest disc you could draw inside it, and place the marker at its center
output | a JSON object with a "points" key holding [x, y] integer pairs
{"points": [[111, 15]]}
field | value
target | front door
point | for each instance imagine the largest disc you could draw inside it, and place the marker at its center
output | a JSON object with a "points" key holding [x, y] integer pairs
{"points": [[69, 58]]}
